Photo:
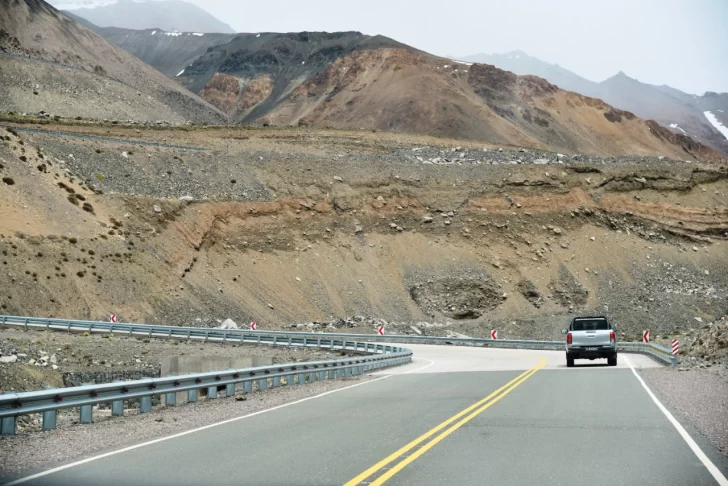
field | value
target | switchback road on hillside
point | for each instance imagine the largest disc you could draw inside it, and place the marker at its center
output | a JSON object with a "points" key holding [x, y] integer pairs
{"points": [[456, 415]]}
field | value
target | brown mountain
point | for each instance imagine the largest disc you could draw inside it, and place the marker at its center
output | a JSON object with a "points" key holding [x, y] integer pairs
{"points": [[683, 113], [51, 63], [400, 90], [350, 80]]}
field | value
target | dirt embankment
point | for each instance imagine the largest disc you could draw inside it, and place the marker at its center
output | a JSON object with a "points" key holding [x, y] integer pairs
{"points": [[304, 226]]}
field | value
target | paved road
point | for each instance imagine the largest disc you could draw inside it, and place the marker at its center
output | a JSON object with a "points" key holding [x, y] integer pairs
{"points": [[437, 421]]}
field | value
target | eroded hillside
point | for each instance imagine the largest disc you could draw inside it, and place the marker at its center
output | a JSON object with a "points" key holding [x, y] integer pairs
{"points": [[52, 64], [297, 226]]}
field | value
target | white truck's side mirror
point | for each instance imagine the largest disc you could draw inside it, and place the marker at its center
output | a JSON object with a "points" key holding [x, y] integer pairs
{"points": [[564, 331]]}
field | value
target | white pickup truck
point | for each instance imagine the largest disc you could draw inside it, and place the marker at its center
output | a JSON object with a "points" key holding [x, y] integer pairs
{"points": [[590, 338]]}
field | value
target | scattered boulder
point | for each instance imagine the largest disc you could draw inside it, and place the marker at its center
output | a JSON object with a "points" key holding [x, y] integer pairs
{"points": [[228, 324], [529, 290]]}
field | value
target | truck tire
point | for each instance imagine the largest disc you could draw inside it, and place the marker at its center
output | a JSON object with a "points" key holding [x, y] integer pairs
{"points": [[612, 361], [569, 361]]}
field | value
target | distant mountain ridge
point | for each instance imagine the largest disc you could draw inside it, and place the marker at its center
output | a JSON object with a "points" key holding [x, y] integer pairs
{"points": [[682, 112], [168, 15], [351, 80]]}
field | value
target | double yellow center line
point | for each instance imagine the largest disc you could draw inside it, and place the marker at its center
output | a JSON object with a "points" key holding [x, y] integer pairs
{"points": [[380, 472]]}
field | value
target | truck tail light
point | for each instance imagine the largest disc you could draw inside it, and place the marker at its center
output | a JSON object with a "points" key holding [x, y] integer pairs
{"points": [[612, 338], [568, 338]]}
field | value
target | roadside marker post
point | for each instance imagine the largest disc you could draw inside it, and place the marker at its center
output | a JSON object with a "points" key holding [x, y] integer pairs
{"points": [[646, 336], [112, 317], [494, 334], [675, 351], [380, 330], [253, 326]]}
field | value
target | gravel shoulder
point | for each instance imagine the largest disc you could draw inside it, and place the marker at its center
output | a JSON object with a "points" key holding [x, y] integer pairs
{"points": [[700, 395], [34, 451]]}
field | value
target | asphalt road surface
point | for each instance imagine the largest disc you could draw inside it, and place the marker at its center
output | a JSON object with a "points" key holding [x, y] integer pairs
{"points": [[456, 415]]}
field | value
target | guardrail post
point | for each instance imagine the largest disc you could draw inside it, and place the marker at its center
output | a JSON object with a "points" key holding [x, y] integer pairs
{"points": [[673, 360], [248, 386], [49, 419], [49, 416], [192, 395], [212, 392], [117, 408], [301, 378], [230, 390], [321, 376], [276, 381], [7, 426], [361, 369], [145, 404], [86, 412], [262, 384], [304, 340], [170, 399]]}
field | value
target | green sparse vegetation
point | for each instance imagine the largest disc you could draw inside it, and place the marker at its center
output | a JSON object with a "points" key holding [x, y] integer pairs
{"points": [[100, 177]]}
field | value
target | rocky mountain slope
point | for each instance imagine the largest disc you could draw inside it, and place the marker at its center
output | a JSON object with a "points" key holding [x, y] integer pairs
{"points": [[683, 113], [169, 15], [305, 226], [53, 64], [349, 80]]}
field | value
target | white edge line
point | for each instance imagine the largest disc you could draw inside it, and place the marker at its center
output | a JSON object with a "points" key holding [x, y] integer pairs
{"points": [[714, 471], [180, 434]]}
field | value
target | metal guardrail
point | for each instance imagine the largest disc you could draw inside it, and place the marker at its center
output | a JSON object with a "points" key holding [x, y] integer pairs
{"points": [[99, 137], [381, 355], [50, 401], [657, 351]]}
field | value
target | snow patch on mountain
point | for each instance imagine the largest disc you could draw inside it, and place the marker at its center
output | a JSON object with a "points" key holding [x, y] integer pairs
{"points": [[675, 125], [716, 123], [65, 5]]}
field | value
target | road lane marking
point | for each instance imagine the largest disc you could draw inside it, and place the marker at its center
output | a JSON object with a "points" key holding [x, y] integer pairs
{"points": [[198, 429], [714, 471], [408, 451]]}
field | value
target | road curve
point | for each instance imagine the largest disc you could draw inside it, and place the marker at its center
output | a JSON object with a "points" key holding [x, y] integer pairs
{"points": [[456, 415]]}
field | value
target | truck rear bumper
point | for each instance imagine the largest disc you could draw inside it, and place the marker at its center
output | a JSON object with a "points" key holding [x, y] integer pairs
{"points": [[591, 353]]}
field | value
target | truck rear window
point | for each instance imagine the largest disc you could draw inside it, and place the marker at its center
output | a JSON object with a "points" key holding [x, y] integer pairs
{"points": [[590, 325]]}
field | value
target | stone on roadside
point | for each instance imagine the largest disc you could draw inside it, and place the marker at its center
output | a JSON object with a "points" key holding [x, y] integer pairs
{"points": [[228, 324]]}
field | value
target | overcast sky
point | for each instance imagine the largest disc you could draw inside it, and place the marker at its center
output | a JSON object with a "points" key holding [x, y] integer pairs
{"points": [[681, 43]]}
